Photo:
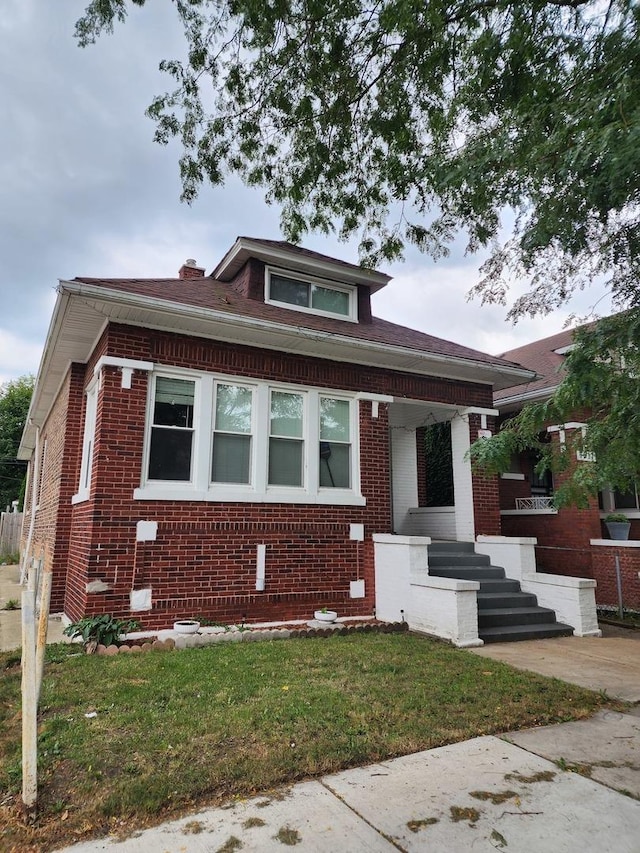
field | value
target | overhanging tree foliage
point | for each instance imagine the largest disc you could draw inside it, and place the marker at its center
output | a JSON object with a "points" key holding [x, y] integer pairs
{"points": [[15, 397], [406, 120], [601, 387]]}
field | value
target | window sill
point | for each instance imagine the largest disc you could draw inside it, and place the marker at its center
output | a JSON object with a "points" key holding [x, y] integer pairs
{"points": [[335, 497], [81, 497], [528, 512]]}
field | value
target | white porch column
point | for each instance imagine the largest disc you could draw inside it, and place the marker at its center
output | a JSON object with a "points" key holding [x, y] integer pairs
{"points": [[462, 482], [404, 477]]}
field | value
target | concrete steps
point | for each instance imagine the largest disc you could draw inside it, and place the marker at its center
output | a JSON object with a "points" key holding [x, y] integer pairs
{"points": [[505, 613]]}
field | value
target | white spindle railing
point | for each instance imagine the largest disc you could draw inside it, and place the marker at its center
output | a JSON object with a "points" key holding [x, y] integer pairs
{"points": [[537, 502]]}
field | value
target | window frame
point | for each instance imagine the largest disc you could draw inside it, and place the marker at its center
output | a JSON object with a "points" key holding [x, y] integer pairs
{"points": [[258, 490], [350, 289], [88, 441], [217, 381]]}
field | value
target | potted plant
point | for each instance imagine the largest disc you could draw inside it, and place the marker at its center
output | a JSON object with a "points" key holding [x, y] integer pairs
{"points": [[325, 615], [186, 626], [618, 525]]}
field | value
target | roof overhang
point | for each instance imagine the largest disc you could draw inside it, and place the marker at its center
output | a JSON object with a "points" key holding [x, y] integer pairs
{"points": [[515, 401], [244, 248], [83, 310]]}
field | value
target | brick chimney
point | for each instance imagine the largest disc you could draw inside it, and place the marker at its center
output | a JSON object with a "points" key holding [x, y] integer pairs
{"points": [[190, 269]]}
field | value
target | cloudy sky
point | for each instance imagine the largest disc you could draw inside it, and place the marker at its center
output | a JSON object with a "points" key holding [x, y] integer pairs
{"points": [[84, 190]]}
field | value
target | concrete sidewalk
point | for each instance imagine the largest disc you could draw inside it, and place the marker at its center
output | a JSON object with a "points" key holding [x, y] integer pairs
{"points": [[10, 620], [570, 787], [484, 794]]}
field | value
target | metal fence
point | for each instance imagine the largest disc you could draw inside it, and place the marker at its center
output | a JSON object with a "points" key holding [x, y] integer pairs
{"points": [[10, 529]]}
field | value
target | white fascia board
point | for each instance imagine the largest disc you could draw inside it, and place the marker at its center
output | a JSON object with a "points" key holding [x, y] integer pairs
{"points": [[235, 321], [244, 248], [453, 367], [27, 442], [526, 397]]}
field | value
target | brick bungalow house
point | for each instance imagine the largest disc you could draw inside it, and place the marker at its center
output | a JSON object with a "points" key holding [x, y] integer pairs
{"points": [[226, 445], [571, 541]]}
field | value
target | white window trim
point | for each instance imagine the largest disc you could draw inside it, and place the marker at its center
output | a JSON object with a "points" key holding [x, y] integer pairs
{"points": [[88, 436], [200, 488], [350, 290], [198, 411]]}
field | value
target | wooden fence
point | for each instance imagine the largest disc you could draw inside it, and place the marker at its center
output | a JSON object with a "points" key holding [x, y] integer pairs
{"points": [[10, 529]]}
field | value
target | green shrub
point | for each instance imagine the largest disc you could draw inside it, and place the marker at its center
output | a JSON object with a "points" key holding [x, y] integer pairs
{"points": [[101, 630]]}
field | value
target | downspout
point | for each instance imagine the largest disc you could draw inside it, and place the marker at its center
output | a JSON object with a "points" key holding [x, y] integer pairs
{"points": [[32, 522]]}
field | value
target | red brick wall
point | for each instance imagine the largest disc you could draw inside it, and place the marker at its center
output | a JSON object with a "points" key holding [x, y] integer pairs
{"points": [[58, 483], [486, 497], [512, 489], [604, 571], [203, 562]]}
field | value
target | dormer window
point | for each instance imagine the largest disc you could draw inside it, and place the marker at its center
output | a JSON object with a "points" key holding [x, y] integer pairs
{"points": [[310, 294]]}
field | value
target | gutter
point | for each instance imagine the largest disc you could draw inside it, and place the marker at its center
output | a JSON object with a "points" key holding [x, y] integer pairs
{"points": [[173, 308]]}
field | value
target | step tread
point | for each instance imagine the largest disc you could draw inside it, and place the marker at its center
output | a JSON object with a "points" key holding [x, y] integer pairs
{"points": [[506, 633], [517, 611], [468, 572]]}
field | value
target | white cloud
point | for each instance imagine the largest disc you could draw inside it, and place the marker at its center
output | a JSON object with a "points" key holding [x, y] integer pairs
{"points": [[18, 356]]}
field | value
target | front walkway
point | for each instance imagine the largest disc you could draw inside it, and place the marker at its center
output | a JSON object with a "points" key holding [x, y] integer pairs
{"points": [[610, 663]]}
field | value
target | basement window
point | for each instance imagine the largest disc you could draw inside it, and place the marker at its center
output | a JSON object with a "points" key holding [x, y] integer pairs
{"points": [[312, 295]]}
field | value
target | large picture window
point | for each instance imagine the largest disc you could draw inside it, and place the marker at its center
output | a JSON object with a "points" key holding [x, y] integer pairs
{"points": [[215, 438], [314, 296], [172, 429]]}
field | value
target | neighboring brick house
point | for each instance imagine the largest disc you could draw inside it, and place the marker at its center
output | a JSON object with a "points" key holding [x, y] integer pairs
{"points": [[226, 445], [571, 541]]}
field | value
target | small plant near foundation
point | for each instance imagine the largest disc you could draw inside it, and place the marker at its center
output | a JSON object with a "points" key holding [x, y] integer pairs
{"points": [[100, 630], [9, 558], [12, 604]]}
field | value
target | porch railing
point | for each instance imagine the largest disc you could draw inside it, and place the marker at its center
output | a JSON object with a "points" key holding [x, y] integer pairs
{"points": [[537, 502]]}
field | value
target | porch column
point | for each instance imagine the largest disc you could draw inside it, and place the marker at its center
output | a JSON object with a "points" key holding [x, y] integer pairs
{"points": [[404, 477], [462, 482]]}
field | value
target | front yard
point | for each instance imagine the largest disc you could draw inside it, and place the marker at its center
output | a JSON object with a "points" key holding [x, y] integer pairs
{"points": [[129, 740]]}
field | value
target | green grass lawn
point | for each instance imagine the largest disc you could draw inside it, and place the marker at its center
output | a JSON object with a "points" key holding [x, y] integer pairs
{"points": [[179, 729]]}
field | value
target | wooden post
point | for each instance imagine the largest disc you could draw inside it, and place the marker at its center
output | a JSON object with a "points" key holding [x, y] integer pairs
{"points": [[29, 706], [43, 622]]}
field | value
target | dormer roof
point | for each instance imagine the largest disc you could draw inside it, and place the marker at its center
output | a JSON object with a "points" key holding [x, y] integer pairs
{"points": [[280, 253]]}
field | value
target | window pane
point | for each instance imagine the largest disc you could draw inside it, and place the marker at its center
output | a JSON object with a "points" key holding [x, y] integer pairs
{"points": [[334, 419], [335, 465], [625, 500], [289, 290], [286, 414], [326, 299], [231, 458], [233, 408], [174, 402], [285, 462], [170, 454]]}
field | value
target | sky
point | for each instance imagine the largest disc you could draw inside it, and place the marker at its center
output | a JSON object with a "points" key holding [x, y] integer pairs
{"points": [[84, 190]]}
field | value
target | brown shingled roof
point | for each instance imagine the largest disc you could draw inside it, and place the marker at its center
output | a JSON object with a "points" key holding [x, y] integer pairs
{"points": [[217, 296], [542, 357], [300, 250]]}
